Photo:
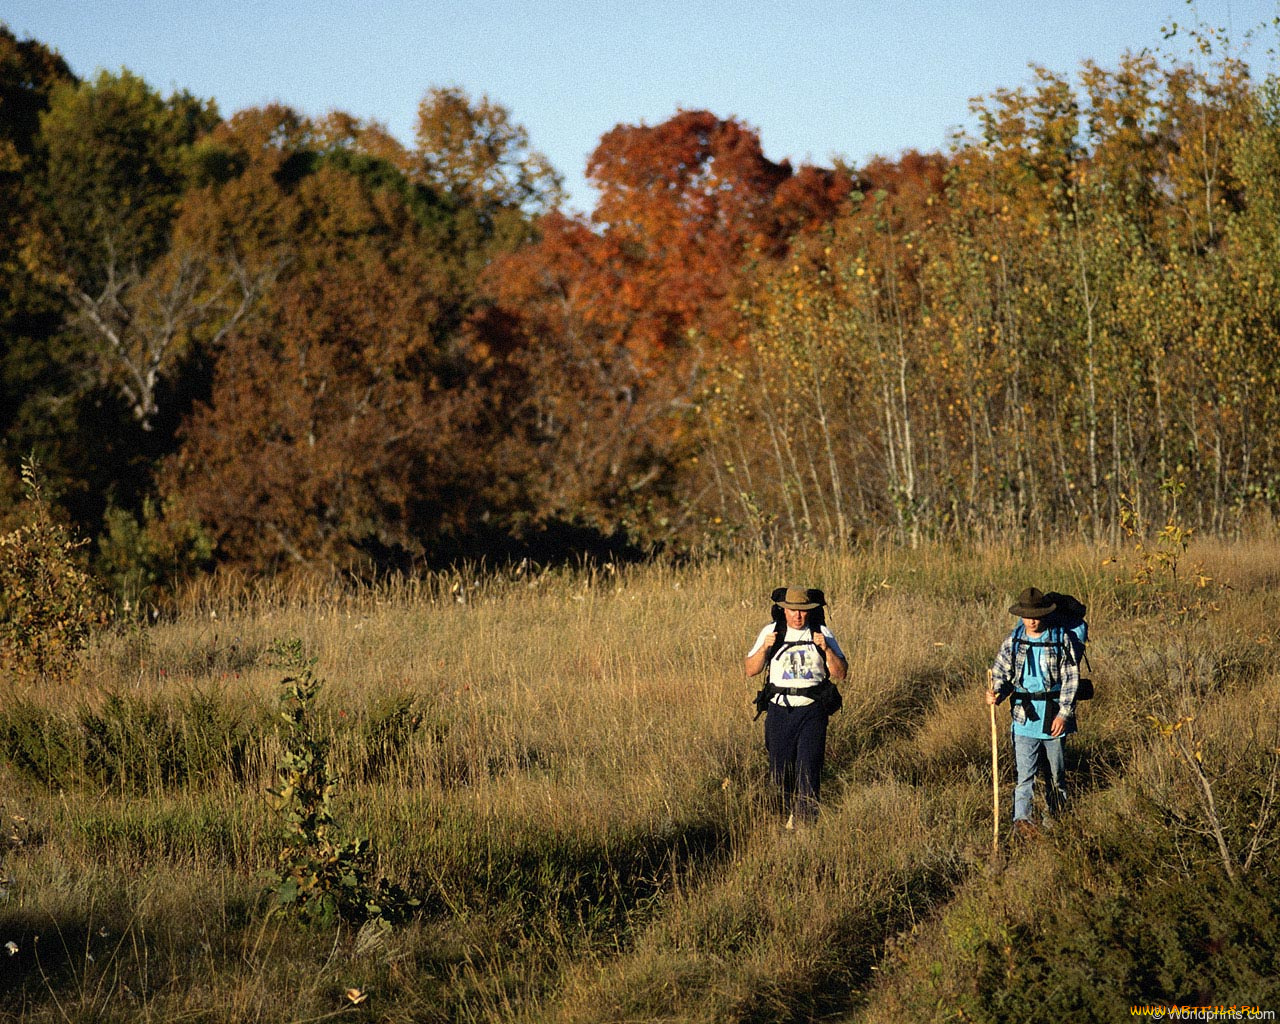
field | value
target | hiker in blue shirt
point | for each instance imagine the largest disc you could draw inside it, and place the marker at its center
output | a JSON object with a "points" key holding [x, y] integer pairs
{"points": [[1037, 667]]}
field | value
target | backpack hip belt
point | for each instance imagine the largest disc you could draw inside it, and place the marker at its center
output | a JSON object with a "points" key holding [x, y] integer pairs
{"points": [[1053, 694], [801, 691], [826, 694]]}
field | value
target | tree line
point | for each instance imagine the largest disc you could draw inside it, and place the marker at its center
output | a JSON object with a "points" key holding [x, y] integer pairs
{"points": [[273, 342]]}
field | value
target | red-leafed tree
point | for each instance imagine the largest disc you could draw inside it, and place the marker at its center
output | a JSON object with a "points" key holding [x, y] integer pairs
{"points": [[682, 205], [604, 324]]}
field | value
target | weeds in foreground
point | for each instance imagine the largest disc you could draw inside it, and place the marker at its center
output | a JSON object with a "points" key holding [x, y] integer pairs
{"points": [[324, 878], [1216, 771]]}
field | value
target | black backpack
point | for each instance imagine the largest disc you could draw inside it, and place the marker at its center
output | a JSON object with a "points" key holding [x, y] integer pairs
{"points": [[826, 692]]}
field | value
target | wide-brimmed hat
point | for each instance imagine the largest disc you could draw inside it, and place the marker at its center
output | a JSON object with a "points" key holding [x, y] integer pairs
{"points": [[799, 598], [1032, 604]]}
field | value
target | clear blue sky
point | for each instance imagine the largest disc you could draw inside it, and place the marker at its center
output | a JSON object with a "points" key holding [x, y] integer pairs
{"points": [[817, 79]]}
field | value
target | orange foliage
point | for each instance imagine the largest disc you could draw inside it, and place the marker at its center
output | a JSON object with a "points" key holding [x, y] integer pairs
{"points": [[683, 206]]}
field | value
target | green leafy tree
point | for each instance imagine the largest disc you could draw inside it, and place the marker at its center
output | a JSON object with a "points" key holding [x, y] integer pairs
{"points": [[142, 560], [115, 156], [324, 878], [30, 313]]}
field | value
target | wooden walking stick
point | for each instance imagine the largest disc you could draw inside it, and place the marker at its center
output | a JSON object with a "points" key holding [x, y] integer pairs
{"points": [[995, 775]]}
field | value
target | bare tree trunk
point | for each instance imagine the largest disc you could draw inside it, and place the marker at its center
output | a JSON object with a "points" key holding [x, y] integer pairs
{"points": [[832, 470], [779, 443], [142, 323], [1091, 383]]}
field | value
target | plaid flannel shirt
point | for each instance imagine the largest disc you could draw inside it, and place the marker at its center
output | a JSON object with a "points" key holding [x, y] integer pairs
{"points": [[1060, 664]]}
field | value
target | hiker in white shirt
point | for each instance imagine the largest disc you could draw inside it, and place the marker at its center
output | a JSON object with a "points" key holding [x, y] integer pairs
{"points": [[803, 657]]}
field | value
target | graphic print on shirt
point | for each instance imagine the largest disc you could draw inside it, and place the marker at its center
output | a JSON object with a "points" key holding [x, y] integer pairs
{"points": [[803, 663]]}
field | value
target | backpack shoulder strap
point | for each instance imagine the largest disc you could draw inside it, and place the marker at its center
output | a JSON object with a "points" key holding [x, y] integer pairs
{"points": [[1054, 636], [779, 629]]}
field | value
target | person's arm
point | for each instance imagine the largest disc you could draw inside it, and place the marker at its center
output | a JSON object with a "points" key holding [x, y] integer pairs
{"points": [[1001, 674], [754, 663], [837, 663]]}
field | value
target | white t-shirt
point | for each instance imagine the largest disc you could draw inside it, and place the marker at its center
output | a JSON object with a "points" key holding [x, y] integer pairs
{"points": [[799, 666]]}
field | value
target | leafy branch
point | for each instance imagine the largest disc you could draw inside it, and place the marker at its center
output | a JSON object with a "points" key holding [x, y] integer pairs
{"points": [[323, 877]]}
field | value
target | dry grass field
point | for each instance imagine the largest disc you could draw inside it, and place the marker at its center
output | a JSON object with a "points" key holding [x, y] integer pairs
{"points": [[561, 767]]}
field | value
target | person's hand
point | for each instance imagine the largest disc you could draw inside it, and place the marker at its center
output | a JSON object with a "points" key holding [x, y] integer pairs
{"points": [[820, 639], [992, 697], [769, 642], [1056, 729]]}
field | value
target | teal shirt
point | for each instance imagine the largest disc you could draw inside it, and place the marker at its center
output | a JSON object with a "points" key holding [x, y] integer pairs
{"points": [[1037, 667], [1034, 679], [1021, 667]]}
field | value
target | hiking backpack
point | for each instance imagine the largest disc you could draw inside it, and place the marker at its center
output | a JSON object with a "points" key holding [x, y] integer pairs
{"points": [[1065, 626], [826, 692]]}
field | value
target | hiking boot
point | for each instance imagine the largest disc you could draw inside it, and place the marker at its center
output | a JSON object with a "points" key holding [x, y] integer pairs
{"points": [[1025, 829]]}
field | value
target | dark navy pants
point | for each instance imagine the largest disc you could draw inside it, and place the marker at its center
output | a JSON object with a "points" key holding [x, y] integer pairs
{"points": [[796, 739]]}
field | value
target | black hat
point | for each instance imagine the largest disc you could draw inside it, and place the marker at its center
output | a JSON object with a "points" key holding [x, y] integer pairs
{"points": [[1032, 604]]}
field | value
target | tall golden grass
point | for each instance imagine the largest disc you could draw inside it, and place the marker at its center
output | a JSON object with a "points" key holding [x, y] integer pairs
{"points": [[562, 765]]}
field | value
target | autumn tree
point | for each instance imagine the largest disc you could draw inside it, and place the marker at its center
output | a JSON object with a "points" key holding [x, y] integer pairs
{"points": [[340, 428], [29, 313], [380, 352], [1252, 286], [1054, 324], [822, 407], [606, 325], [475, 153], [582, 430], [325, 444], [682, 206]]}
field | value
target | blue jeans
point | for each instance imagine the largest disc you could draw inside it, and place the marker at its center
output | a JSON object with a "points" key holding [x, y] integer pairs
{"points": [[1027, 753]]}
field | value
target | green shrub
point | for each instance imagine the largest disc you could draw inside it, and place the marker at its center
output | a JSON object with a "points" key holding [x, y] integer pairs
{"points": [[130, 744], [38, 745], [385, 732], [1178, 939], [49, 604], [139, 745], [1107, 912], [143, 560], [323, 878]]}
